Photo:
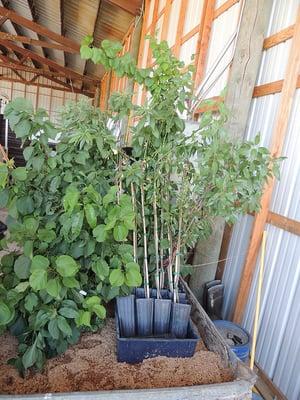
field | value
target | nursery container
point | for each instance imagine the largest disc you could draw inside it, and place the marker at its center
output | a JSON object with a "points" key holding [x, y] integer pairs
{"points": [[180, 317], [126, 312], [162, 313], [144, 316]]}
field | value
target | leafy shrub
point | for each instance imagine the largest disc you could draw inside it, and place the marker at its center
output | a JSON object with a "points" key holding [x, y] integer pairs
{"points": [[67, 215]]}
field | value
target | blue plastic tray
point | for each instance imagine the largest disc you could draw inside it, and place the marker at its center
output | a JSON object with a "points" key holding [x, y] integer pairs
{"points": [[135, 350]]}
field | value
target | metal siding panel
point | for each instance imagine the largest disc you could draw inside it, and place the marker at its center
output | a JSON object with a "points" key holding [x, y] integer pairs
{"points": [[188, 49], [193, 15], [283, 15], [173, 22], [222, 30]]}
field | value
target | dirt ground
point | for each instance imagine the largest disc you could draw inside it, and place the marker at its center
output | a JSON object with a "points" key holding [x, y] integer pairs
{"points": [[92, 365]]}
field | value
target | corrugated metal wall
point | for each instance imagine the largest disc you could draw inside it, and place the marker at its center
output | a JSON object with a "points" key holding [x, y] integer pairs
{"points": [[49, 99], [278, 347]]}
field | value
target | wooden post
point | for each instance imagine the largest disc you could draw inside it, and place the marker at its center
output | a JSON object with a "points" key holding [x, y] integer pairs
{"points": [[96, 101], [241, 82], [281, 124]]}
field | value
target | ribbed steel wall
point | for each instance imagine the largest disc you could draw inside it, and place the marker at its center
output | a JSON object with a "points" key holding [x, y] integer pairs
{"points": [[278, 347]]}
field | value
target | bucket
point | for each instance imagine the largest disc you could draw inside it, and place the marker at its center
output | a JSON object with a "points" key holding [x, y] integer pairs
{"points": [[237, 338]]}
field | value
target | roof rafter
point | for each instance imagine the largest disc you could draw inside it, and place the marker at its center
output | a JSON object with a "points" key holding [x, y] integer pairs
{"points": [[45, 61], [35, 27], [34, 42]]}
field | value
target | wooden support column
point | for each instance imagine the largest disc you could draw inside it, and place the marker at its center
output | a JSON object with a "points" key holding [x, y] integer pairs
{"points": [[180, 27], [241, 81], [279, 133], [96, 101]]}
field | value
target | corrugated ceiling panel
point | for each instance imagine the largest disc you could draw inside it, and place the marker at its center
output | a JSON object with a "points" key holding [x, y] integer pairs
{"points": [[223, 28]]}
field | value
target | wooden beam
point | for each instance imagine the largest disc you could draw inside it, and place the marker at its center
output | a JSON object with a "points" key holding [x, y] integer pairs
{"points": [[45, 61], [224, 251], [165, 26], [280, 129], [245, 64], [224, 7], [180, 27], [266, 386], [38, 84], [203, 40], [132, 7], [10, 63], [279, 37], [2, 20], [152, 29], [285, 223], [271, 88], [35, 27], [34, 42]]}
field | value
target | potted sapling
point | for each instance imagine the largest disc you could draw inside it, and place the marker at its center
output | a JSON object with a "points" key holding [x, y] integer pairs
{"points": [[179, 180]]}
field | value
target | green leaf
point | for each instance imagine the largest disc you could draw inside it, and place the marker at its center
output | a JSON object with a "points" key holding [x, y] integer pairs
{"points": [[37, 163], [99, 310], [38, 279], [91, 301], [6, 315], [64, 326], [68, 312], [27, 152], [101, 269], [116, 277], [90, 215], [70, 200], [100, 233], [70, 282], [28, 248], [53, 329], [133, 277], [84, 318], [39, 263], [66, 266], [120, 232], [21, 287], [31, 300], [3, 175], [53, 287], [30, 356], [22, 267], [22, 128], [4, 197], [25, 205], [77, 221], [46, 235], [20, 174], [86, 52]]}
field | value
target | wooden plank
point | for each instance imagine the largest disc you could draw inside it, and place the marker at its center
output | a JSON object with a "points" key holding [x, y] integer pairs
{"points": [[279, 37], [165, 26], [152, 29], [280, 129], [190, 34], [224, 7], [245, 64], [180, 27], [264, 383], [34, 42], [271, 88], [75, 90], [285, 223], [203, 40], [45, 61], [35, 27], [224, 251]]}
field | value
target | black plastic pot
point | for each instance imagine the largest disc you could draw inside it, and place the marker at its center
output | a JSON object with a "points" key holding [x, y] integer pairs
{"points": [[144, 316], [162, 313], [126, 312], [180, 317]]}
